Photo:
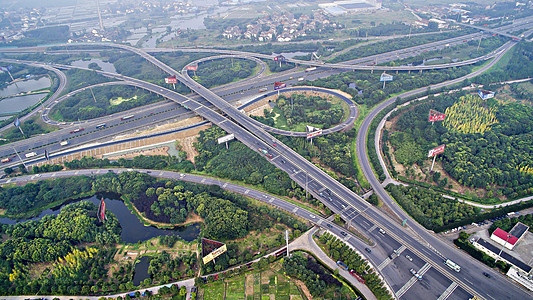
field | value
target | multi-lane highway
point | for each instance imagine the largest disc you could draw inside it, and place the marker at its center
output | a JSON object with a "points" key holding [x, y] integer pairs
{"points": [[342, 200]]}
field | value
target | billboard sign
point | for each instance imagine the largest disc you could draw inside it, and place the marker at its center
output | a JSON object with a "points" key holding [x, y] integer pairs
{"points": [[385, 77], [280, 58], [435, 116], [171, 79], [279, 85], [436, 151], [216, 253], [192, 68], [313, 134], [226, 138]]}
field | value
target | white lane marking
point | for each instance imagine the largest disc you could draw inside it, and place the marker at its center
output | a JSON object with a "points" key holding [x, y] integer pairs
{"points": [[448, 291], [384, 263], [406, 287]]}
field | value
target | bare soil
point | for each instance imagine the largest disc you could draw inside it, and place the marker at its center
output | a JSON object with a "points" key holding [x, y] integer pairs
{"points": [[149, 152], [187, 145]]}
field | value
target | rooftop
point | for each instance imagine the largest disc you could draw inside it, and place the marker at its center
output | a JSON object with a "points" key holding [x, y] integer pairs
{"points": [[511, 239]]}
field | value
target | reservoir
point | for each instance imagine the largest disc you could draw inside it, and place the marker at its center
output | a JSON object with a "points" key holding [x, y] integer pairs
{"points": [[133, 230]]}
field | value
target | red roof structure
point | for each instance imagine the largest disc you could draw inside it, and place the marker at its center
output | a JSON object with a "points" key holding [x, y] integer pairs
{"points": [[504, 236]]}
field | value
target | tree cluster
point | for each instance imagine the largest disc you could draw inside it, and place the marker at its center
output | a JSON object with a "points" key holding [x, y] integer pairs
{"points": [[59, 239], [32, 197], [83, 106], [164, 269], [221, 71], [316, 279]]}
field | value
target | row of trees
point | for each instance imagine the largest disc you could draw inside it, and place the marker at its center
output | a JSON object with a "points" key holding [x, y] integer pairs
{"points": [[391, 45], [369, 90], [338, 250], [429, 208]]}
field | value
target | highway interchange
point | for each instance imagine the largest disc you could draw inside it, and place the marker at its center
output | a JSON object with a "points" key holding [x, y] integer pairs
{"points": [[414, 240]]}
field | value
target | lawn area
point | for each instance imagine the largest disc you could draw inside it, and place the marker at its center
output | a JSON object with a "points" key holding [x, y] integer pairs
{"points": [[214, 291]]}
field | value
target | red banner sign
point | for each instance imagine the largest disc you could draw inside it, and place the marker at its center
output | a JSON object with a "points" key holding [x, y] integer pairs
{"points": [[436, 151], [192, 68], [313, 134], [171, 79], [437, 118]]}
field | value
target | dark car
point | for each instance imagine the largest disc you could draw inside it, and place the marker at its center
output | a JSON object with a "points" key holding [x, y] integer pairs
{"points": [[368, 250], [487, 275], [329, 225], [343, 233]]}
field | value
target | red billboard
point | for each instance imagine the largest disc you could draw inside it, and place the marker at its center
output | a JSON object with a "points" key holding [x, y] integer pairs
{"points": [[192, 68], [279, 85], [436, 151], [171, 79], [313, 134], [435, 116]]}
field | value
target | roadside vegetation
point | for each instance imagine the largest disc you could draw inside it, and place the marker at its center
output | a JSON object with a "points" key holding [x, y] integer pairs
{"points": [[338, 250], [107, 100]]}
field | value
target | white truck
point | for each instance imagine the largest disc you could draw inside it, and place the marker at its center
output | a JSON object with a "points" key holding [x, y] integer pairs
{"points": [[64, 143], [31, 154]]}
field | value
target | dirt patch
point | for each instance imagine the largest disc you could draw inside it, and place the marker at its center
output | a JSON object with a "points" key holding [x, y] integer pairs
{"points": [[3, 211], [187, 145], [149, 152], [165, 127], [249, 285], [390, 213], [303, 288]]}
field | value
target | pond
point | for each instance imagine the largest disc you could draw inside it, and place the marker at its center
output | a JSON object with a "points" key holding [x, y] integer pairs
{"points": [[106, 66], [141, 270], [20, 103], [133, 230], [25, 86]]}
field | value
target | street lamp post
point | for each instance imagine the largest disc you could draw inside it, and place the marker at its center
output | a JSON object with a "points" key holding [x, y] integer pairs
{"points": [[499, 254]]}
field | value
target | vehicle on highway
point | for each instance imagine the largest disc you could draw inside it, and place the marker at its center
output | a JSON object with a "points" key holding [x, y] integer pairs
{"points": [[343, 233], [415, 274], [368, 250], [64, 143], [452, 265], [381, 231], [127, 117], [357, 276], [31, 154], [487, 275], [342, 265], [310, 69], [301, 79], [103, 125], [77, 130], [409, 258], [5, 160], [263, 89], [329, 225]]}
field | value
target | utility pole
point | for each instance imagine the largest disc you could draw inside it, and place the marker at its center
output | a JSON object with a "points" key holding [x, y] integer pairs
{"points": [[287, 242], [92, 94], [21, 160]]}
